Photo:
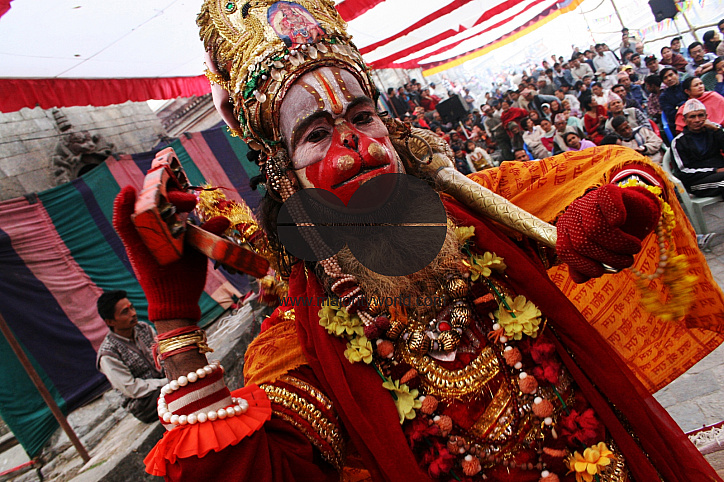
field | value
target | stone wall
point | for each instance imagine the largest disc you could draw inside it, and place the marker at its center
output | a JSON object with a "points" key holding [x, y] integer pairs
{"points": [[30, 138]]}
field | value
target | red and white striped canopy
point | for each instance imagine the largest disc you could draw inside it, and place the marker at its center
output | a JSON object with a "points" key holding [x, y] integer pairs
{"points": [[437, 35], [80, 52]]}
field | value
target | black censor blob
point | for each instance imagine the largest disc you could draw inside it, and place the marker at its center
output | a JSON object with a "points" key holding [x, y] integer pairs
{"points": [[394, 224]]}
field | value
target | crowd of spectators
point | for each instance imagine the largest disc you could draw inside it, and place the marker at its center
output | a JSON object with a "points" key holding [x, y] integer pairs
{"points": [[627, 96]]}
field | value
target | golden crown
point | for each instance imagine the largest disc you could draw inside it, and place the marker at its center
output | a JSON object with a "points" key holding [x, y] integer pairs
{"points": [[261, 47]]}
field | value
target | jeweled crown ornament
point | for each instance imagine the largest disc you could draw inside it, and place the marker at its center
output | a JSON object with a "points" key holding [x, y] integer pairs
{"points": [[261, 47]]}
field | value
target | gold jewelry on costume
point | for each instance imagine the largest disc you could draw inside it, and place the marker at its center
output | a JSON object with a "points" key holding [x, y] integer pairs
{"points": [[198, 338], [312, 414]]}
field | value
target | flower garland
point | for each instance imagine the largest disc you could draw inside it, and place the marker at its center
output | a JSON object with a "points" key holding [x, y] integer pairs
{"points": [[516, 325], [672, 268]]}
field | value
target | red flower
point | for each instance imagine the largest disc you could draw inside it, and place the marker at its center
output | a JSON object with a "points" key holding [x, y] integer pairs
{"points": [[418, 429], [441, 463], [548, 371], [581, 428], [542, 351]]}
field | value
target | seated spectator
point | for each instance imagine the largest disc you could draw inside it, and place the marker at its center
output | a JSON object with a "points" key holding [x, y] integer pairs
{"points": [[599, 93], [477, 156], [534, 101], [511, 114], [652, 63], [640, 139], [711, 41], [548, 137], [461, 162], [125, 357], [428, 101], [652, 84], [633, 91], [676, 61], [398, 105], [676, 48], [521, 155], [556, 108], [605, 62], [532, 135], [701, 62], [620, 91], [544, 86], [593, 120], [719, 69], [635, 117], [694, 89], [561, 126], [575, 143], [579, 69], [673, 96], [546, 112], [639, 68], [720, 48], [697, 152], [516, 136], [420, 120]]}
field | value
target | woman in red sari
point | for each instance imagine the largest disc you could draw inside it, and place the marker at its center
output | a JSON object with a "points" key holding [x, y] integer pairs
{"points": [[593, 119]]}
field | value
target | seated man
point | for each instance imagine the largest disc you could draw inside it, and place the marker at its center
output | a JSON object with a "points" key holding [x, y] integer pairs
{"points": [[673, 96], [701, 62], [634, 116], [126, 359], [640, 139], [697, 152]]}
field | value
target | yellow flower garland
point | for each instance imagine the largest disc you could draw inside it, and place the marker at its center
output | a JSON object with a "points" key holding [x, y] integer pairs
{"points": [[672, 268]]}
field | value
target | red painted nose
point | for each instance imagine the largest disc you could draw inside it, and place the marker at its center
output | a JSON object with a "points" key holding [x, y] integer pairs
{"points": [[350, 141]]}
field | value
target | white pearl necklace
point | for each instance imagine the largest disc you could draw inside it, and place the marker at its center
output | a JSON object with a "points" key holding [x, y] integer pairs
{"points": [[240, 407], [184, 380]]}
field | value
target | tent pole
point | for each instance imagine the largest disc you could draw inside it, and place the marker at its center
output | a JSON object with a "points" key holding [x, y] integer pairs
{"points": [[618, 15], [38, 382], [691, 29]]}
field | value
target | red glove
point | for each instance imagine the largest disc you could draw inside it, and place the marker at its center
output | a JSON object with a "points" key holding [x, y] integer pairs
{"points": [[172, 291], [606, 226]]}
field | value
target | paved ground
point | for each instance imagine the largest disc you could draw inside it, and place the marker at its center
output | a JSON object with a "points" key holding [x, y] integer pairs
{"points": [[696, 398]]}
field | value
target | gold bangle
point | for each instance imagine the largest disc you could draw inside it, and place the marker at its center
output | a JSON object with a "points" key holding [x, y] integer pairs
{"points": [[198, 338]]}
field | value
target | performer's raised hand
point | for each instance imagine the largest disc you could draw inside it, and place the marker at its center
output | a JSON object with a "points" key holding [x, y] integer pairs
{"points": [[606, 226], [173, 290]]}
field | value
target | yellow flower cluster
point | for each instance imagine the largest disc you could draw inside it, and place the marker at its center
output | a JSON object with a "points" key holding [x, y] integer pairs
{"points": [[523, 317], [464, 233], [591, 463], [337, 321], [680, 284], [482, 265], [405, 399], [359, 348]]}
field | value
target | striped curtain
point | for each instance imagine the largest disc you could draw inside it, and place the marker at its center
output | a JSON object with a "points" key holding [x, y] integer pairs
{"points": [[59, 251]]}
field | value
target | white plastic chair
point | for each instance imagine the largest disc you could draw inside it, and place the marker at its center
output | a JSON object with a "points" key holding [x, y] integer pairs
{"points": [[692, 205]]}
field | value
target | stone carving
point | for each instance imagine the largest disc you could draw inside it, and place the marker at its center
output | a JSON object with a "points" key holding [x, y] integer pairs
{"points": [[77, 152]]}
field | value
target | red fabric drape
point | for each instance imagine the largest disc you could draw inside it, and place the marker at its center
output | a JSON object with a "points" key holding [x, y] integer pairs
{"points": [[47, 93]]}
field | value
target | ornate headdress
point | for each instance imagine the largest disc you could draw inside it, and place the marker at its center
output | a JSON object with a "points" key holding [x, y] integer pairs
{"points": [[261, 47]]}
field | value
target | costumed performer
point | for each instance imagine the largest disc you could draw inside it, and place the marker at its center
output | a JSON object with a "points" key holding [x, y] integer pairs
{"points": [[505, 378]]}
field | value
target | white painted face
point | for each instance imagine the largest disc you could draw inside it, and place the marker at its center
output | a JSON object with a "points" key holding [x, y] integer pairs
{"points": [[336, 140]]}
